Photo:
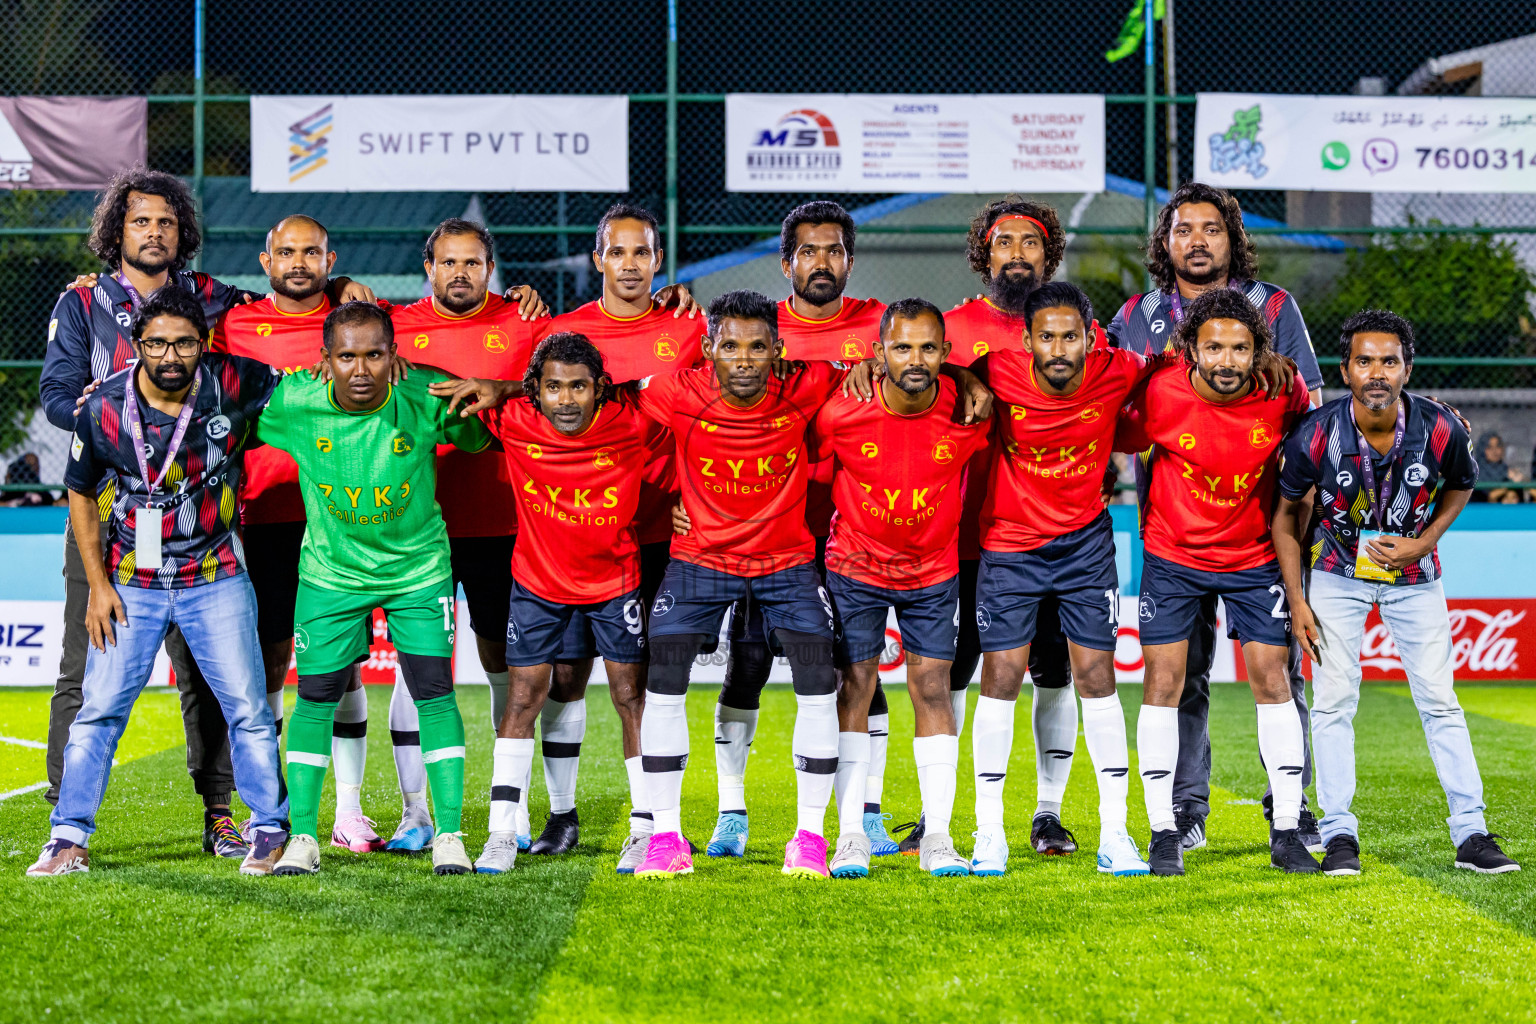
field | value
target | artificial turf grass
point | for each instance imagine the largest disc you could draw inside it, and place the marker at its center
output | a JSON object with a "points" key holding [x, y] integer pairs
{"points": [[160, 932], [154, 726], [1235, 939]]}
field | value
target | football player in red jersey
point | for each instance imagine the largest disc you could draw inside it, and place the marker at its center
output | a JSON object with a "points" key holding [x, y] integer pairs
{"points": [[1214, 435], [579, 452], [638, 334], [817, 321], [740, 434], [898, 464], [1015, 245], [464, 330], [284, 330], [1046, 535]]}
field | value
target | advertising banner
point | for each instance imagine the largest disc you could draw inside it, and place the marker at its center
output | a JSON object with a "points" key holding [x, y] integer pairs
{"points": [[439, 143], [1366, 143], [70, 142], [896, 143]]}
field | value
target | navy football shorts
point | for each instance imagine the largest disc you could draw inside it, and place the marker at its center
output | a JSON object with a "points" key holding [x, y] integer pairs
{"points": [[929, 618], [1077, 567], [536, 627], [1257, 611], [693, 599]]}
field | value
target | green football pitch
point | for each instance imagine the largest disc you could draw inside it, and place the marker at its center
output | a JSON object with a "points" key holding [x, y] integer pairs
{"points": [[159, 932]]}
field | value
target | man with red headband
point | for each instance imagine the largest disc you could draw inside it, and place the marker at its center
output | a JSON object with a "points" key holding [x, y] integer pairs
{"points": [[1016, 245]]}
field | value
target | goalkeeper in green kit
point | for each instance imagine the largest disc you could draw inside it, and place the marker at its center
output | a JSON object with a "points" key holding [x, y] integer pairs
{"points": [[374, 538]]}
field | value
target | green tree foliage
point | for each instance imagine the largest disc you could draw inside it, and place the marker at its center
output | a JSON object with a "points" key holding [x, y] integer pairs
{"points": [[1466, 296]]}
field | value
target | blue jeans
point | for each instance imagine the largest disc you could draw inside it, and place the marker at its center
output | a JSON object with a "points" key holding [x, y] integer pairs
{"points": [[1420, 625], [218, 621]]}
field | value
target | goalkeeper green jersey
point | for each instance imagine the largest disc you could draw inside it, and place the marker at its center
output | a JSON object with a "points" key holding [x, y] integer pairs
{"points": [[369, 481]]}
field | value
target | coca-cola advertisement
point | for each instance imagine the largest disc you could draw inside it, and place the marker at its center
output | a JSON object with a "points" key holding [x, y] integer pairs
{"points": [[1491, 638]]}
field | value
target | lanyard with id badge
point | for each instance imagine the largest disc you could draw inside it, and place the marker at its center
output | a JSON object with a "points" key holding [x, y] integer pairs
{"points": [[147, 521], [1377, 497]]}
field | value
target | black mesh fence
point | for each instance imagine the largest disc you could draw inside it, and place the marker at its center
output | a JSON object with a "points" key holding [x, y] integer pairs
{"points": [[1458, 265]]}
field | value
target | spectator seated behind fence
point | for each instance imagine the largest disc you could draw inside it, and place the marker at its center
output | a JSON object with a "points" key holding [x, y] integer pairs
{"points": [[24, 470], [1491, 468]]}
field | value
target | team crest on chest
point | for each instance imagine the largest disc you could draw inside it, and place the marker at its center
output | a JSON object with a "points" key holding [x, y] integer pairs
{"points": [[665, 348], [402, 443], [853, 348], [944, 450], [495, 340], [1091, 412], [1261, 435], [603, 458]]}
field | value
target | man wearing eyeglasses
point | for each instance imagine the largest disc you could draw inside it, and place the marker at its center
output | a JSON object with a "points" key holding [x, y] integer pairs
{"points": [[171, 429]]}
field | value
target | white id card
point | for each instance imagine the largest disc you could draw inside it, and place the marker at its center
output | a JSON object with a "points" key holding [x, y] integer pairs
{"points": [[146, 539], [1365, 569]]}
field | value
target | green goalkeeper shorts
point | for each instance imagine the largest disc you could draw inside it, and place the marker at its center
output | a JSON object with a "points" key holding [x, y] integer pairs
{"points": [[332, 629]]}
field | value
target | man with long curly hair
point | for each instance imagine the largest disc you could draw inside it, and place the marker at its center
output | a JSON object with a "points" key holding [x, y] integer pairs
{"points": [[1199, 246]]}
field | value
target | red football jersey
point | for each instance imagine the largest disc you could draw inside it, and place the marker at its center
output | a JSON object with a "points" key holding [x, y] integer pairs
{"points": [[897, 485], [973, 330], [743, 471], [577, 498], [1052, 450], [291, 342], [849, 336], [634, 348], [492, 341], [1213, 471]]}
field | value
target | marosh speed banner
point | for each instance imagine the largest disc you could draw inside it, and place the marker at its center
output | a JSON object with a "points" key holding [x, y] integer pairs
{"points": [[70, 142], [439, 143], [896, 143], [1366, 143]]}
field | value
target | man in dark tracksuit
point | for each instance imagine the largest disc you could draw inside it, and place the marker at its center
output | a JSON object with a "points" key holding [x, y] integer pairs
{"points": [[144, 231], [1199, 244]]}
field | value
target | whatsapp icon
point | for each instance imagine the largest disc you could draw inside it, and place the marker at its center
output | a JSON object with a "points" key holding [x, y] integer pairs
{"points": [[1335, 156]]}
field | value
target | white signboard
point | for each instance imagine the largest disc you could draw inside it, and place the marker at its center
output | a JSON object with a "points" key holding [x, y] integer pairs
{"points": [[439, 143], [896, 143], [1366, 143]]}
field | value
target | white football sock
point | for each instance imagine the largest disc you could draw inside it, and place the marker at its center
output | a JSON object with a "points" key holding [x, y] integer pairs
{"points": [[957, 704], [405, 736], [1104, 729], [814, 745], [563, 727], [991, 747], [511, 761], [640, 821], [879, 740], [937, 759], [1282, 746], [852, 774], [664, 756], [349, 751], [1054, 717], [275, 702], [734, 731], [499, 684], [1157, 752]]}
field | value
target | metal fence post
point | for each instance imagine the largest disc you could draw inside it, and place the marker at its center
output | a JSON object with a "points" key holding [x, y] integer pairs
{"points": [[671, 141], [1149, 112], [197, 116]]}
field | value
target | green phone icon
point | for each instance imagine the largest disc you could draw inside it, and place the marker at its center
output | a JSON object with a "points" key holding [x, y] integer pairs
{"points": [[1335, 156]]}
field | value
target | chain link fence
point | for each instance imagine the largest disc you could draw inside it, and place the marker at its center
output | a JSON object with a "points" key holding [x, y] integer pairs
{"points": [[1459, 266]]}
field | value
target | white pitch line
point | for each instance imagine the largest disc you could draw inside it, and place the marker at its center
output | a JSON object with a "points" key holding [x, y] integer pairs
{"points": [[24, 789], [24, 743]]}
